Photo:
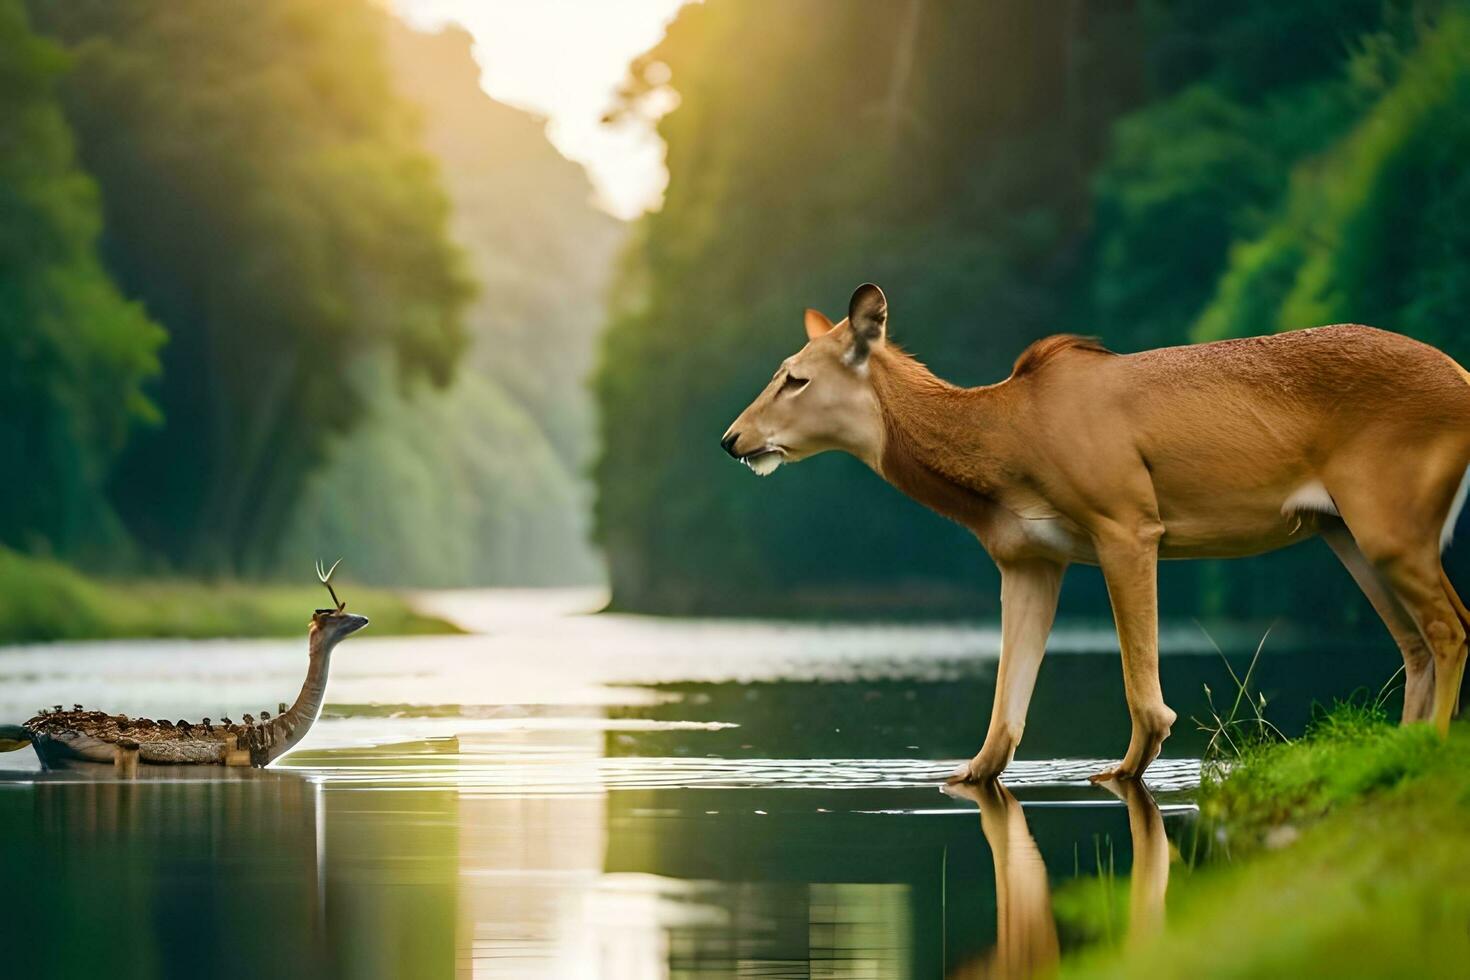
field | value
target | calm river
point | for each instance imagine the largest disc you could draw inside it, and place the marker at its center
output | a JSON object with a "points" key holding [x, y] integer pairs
{"points": [[571, 795]]}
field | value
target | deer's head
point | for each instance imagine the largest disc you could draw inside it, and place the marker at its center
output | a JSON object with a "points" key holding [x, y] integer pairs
{"points": [[821, 397], [335, 623]]}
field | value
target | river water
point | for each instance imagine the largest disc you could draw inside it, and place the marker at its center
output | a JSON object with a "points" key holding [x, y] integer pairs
{"points": [[570, 795]]}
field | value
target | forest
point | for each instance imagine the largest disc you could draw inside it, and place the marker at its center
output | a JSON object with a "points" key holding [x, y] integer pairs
{"points": [[283, 282], [278, 280], [1150, 173]]}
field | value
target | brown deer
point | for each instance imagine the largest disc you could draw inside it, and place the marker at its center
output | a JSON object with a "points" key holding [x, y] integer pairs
{"points": [[1215, 450]]}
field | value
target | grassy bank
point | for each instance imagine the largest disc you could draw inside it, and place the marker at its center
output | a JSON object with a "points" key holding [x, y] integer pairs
{"points": [[46, 600], [1345, 853]]}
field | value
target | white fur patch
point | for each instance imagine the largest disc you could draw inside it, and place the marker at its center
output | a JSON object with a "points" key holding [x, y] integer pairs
{"points": [[1048, 531], [1447, 533], [765, 464], [1311, 496]]}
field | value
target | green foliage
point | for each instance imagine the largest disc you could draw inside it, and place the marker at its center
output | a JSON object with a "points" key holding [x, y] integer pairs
{"points": [[1243, 727], [483, 483], [1254, 49], [45, 600], [1370, 231], [266, 198], [74, 354], [445, 489], [1349, 751], [1092, 908], [270, 177], [1185, 178]]}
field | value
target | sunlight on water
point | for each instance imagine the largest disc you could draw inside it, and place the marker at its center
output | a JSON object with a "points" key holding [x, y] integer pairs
{"points": [[567, 795]]}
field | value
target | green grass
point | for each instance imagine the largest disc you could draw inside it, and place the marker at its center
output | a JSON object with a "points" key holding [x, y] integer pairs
{"points": [[47, 600], [1369, 875], [1092, 908], [1347, 754]]}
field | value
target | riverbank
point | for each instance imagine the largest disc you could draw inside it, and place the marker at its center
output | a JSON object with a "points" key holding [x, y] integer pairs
{"points": [[1344, 853], [43, 600]]}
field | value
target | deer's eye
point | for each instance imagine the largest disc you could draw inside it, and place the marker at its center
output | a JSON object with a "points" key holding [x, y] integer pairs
{"points": [[793, 384]]}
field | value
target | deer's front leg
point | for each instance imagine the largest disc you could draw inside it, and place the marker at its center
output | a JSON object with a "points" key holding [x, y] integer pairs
{"points": [[1129, 560], [1028, 604]]}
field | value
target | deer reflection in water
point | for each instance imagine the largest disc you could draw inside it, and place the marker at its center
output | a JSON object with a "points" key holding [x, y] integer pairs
{"points": [[1025, 931], [1150, 876]]}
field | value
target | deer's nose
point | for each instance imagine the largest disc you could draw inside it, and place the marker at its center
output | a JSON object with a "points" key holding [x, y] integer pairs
{"points": [[728, 443]]}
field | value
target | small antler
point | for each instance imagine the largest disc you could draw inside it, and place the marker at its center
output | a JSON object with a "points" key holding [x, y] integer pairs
{"points": [[325, 577]]}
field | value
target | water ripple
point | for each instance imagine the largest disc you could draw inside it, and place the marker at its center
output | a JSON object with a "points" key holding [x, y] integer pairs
{"points": [[523, 777]]}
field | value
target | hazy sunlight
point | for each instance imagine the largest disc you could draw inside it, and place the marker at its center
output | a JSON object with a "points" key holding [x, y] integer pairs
{"points": [[564, 59]]}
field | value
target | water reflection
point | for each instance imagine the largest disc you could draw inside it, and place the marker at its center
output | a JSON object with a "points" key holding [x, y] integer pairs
{"points": [[258, 872], [300, 874], [1150, 876], [597, 797], [1026, 943], [1025, 932]]}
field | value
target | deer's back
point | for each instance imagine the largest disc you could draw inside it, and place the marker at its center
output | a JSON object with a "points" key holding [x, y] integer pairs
{"points": [[1322, 383]]}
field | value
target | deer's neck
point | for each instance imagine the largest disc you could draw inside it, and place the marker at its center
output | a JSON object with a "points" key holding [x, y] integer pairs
{"points": [[947, 447], [291, 727]]}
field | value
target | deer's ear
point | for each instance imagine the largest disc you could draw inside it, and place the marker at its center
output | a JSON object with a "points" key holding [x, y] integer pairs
{"points": [[816, 324], [867, 313]]}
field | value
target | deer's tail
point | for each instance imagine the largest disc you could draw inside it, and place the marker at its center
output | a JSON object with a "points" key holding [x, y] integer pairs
{"points": [[1447, 533]]}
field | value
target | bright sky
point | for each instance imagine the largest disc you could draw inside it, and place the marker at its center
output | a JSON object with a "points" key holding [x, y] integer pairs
{"points": [[564, 59]]}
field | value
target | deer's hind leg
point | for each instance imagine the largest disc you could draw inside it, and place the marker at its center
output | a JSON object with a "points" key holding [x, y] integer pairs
{"points": [[1397, 525], [1464, 614], [1418, 661], [1415, 579]]}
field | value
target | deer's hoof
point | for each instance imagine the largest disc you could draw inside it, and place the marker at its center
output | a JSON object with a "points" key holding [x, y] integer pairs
{"points": [[974, 772], [1109, 775], [960, 774]]}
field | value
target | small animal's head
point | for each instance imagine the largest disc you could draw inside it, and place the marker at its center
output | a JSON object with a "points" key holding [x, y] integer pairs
{"points": [[821, 397], [335, 623]]}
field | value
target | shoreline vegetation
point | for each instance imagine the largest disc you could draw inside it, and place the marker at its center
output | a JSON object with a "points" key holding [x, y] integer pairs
{"points": [[47, 600], [1343, 853]]}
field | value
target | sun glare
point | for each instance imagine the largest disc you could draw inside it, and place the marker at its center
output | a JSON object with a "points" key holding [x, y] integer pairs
{"points": [[564, 59]]}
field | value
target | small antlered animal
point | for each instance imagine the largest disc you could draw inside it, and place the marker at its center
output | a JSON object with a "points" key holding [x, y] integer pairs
{"points": [[1215, 450], [68, 739]]}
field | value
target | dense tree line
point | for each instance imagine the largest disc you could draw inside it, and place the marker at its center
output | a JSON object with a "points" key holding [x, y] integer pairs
{"points": [[266, 198], [1153, 173], [484, 483], [241, 252], [74, 353]]}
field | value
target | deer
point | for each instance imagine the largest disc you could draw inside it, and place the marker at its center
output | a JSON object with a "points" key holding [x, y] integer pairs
{"points": [[1215, 450]]}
